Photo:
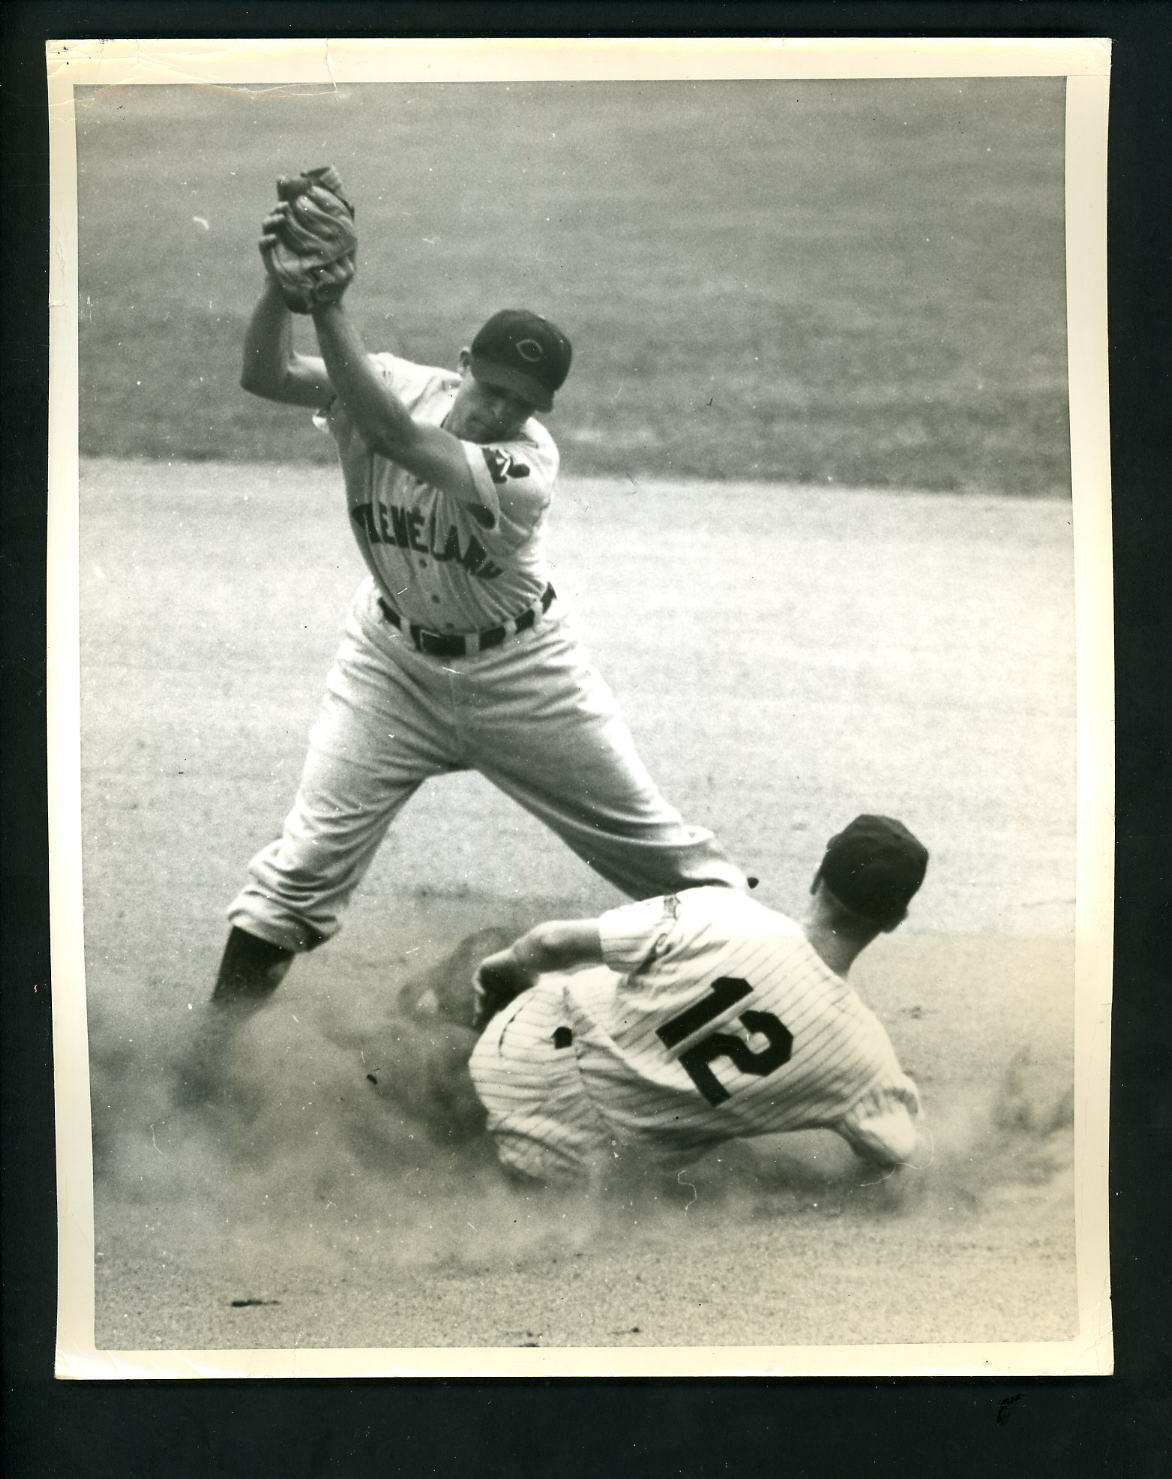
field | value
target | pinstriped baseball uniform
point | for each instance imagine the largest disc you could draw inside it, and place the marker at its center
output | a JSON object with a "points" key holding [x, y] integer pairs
{"points": [[456, 656], [720, 1021]]}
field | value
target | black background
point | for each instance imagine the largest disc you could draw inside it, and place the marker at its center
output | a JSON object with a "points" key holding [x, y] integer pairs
{"points": [[1080, 1426]]}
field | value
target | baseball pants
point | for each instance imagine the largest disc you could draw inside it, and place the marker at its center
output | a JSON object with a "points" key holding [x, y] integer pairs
{"points": [[532, 715], [525, 1072]]}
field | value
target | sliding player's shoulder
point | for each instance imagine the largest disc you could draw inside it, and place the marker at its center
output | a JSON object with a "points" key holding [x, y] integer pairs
{"points": [[733, 905]]}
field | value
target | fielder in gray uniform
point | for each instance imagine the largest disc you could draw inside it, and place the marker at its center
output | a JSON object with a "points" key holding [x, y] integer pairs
{"points": [[716, 1019], [456, 653]]}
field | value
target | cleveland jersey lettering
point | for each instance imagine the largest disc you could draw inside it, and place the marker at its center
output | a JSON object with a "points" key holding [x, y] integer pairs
{"points": [[449, 565], [404, 527]]}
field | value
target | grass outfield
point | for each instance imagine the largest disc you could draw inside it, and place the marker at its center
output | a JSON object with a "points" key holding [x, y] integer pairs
{"points": [[787, 658], [858, 284]]}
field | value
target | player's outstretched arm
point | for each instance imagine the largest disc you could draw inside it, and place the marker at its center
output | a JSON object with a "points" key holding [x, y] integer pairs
{"points": [[386, 426], [560, 945], [271, 368]]}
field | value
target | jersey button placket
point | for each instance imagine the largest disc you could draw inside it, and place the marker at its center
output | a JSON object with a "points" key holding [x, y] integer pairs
{"points": [[462, 696]]}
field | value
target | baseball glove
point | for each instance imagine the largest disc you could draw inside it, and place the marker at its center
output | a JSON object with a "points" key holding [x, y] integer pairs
{"points": [[309, 241]]}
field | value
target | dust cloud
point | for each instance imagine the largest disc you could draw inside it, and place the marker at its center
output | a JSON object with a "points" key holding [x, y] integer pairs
{"points": [[283, 1133], [300, 1162]]}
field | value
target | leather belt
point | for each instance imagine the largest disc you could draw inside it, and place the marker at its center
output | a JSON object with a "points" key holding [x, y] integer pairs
{"points": [[465, 644]]}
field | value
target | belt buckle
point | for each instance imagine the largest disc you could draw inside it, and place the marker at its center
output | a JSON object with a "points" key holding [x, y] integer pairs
{"points": [[443, 643], [474, 642]]}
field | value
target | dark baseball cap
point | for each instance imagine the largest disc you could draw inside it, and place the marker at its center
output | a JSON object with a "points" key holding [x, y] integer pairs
{"points": [[874, 866], [524, 353]]}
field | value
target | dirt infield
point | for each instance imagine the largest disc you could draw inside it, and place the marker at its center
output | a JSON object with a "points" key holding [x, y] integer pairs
{"points": [[796, 656]]}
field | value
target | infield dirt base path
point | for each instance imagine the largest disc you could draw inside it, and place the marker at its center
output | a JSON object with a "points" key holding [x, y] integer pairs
{"points": [[787, 658]]}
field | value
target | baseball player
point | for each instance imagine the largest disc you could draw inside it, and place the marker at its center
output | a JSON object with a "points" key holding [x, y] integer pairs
{"points": [[716, 1019], [456, 653]]}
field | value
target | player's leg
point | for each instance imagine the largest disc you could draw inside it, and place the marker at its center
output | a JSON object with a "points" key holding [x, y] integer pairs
{"points": [[297, 889], [250, 970], [543, 1126], [300, 884], [380, 732], [550, 734]]}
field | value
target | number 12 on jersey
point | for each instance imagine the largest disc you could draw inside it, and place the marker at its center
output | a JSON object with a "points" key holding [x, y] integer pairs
{"points": [[697, 1060]]}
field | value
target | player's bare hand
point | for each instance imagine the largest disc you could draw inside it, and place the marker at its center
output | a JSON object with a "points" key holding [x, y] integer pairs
{"points": [[271, 227], [329, 282], [297, 301], [498, 980]]}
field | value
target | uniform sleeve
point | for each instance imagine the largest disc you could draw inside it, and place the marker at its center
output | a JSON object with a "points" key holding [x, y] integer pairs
{"points": [[514, 481], [407, 381], [883, 1126], [635, 934]]}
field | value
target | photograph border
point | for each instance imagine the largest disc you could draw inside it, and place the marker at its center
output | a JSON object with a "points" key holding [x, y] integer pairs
{"points": [[1072, 1426], [225, 62]]}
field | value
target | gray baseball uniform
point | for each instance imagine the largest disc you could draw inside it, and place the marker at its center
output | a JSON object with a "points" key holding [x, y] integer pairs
{"points": [[457, 655]]}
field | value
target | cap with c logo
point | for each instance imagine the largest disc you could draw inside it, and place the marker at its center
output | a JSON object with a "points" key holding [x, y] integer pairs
{"points": [[524, 353]]}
